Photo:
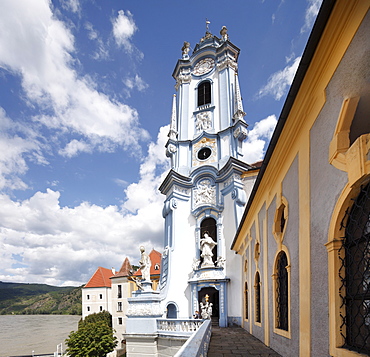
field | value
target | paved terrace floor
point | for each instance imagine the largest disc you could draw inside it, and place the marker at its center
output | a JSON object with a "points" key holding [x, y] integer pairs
{"points": [[236, 342]]}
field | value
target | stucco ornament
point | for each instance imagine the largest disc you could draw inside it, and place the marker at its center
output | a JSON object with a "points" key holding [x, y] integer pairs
{"points": [[144, 309], [145, 264], [206, 245], [203, 121], [195, 264], [220, 262], [205, 193]]}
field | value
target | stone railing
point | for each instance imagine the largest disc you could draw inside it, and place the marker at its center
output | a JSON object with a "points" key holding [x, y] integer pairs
{"points": [[178, 326], [197, 345]]}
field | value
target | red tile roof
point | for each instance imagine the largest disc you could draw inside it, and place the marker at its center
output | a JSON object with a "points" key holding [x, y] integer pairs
{"points": [[100, 278], [155, 258], [126, 269], [257, 164]]}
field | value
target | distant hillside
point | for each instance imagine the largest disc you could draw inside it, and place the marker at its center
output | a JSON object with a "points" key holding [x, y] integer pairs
{"points": [[17, 298]]}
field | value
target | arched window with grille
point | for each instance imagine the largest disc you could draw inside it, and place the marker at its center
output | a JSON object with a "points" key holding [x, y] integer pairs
{"points": [[355, 276], [257, 297], [282, 291], [204, 93], [246, 300]]}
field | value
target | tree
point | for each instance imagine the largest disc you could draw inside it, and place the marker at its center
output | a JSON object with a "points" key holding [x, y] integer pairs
{"points": [[94, 338], [104, 316]]}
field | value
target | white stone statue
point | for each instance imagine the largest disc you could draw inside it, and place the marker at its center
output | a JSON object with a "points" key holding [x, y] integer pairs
{"points": [[185, 50], [206, 309], [206, 245], [220, 262], [195, 264], [145, 265], [138, 283], [224, 34]]}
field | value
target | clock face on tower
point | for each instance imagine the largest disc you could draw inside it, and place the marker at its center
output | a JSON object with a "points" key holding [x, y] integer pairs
{"points": [[203, 66]]}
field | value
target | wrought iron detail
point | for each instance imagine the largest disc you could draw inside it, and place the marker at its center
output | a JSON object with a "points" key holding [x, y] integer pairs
{"points": [[282, 292], [355, 274], [257, 290]]}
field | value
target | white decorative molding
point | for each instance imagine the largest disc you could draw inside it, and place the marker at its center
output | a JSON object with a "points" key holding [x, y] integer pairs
{"points": [[205, 142], [203, 121], [144, 309], [228, 62], [204, 193], [220, 262], [183, 77]]}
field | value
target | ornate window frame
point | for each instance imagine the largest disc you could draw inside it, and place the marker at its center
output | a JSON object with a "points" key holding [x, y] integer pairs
{"points": [[257, 299], [277, 330], [355, 161]]}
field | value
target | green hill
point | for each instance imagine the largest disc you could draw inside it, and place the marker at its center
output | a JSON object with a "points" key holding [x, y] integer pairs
{"points": [[18, 298]]}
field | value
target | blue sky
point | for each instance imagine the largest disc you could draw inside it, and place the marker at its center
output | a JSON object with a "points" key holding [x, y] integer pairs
{"points": [[85, 99]]}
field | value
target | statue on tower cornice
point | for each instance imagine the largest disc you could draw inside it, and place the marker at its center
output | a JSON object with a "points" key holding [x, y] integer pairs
{"points": [[224, 34], [185, 50]]}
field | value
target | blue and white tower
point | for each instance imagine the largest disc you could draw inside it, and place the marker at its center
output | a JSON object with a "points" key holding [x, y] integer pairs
{"points": [[207, 187]]}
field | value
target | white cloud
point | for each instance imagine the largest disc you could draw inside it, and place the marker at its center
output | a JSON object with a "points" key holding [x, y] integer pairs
{"points": [[311, 14], [102, 52], [136, 82], [279, 82], [38, 48], [75, 147], [258, 137], [38, 235], [71, 5], [123, 29], [16, 144]]}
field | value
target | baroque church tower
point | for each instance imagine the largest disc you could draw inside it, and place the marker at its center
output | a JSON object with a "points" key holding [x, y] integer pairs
{"points": [[208, 184]]}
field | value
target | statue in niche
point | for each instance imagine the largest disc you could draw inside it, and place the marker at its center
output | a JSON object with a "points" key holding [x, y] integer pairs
{"points": [[203, 121], [144, 265], [206, 245]]}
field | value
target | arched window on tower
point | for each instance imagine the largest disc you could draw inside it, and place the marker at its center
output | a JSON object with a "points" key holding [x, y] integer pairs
{"points": [[355, 290], [204, 93], [209, 226]]}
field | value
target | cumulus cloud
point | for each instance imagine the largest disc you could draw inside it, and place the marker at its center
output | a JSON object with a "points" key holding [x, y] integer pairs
{"points": [[38, 235], [258, 138], [279, 82], [311, 14], [39, 48], [71, 5], [123, 29], [17, 143]]}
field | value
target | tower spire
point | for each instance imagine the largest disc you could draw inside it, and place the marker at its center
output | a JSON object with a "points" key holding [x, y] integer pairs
{"points": [[173, 132], [239, 113]]}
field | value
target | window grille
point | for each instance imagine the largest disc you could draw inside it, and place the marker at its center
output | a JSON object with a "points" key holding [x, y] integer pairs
{"points": [[257, 288], [282, 292], [204, 93], [246, 300], [355, 274]]}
